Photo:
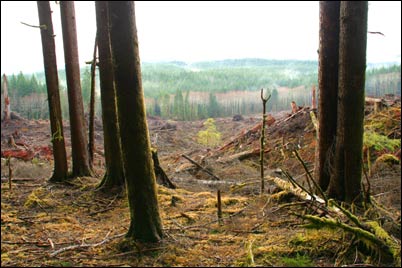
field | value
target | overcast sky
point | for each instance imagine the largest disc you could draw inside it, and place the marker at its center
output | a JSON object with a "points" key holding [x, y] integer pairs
{"points": [[198, 31]]}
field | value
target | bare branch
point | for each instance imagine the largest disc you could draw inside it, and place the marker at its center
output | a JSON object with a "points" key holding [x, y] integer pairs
{"points": [[44, 26], [376, 33]]}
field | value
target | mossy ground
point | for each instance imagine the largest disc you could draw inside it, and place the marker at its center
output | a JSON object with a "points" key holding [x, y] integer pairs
{"points": [[39, 218]]}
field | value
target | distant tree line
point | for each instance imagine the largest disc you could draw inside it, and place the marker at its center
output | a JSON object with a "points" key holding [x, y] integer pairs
{"points": [[28, 94], [181, 91]]}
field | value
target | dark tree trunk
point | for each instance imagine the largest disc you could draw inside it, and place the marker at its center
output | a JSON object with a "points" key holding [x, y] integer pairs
{"points": [[328, 89], [139, 173], [91, 132], [114, 175], [79, 144], [352, 67], [60, 171]]}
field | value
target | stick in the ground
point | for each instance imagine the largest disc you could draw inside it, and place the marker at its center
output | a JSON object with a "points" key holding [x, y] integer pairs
{"points": [[264, 104], [10, 172]]}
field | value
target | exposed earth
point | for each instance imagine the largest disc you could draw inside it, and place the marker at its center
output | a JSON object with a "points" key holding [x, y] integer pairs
{"points": [[72, 224]]}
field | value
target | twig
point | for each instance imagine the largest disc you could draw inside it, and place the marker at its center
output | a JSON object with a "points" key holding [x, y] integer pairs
{"points": [[376, 33], [311, 177], [51, 243], [84, 245], [100, 211], [202, 168], [44, 26], [293, 115], [129, 252], [296, 184]]}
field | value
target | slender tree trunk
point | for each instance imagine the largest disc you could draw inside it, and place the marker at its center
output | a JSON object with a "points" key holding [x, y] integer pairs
{"points": [[60, 171], [91, 136], [79, 144], [7, 110], [114, 175], [145, 222], [328, 89], [352, 67]]}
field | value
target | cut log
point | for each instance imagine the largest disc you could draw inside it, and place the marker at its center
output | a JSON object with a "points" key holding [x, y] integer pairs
{"points": [[378, 104]]}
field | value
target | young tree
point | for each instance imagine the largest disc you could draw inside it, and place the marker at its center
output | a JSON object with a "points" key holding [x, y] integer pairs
{"points": [[346, 181], [114, 166], [139, 173], [81, 166], [328, 89], [60, 171]]}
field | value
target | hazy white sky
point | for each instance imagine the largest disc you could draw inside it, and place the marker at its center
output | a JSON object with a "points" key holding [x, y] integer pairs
{"points": [[198, 31]]}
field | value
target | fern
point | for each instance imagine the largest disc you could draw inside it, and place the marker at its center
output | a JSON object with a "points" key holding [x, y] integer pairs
{"points": [[379, 142]]}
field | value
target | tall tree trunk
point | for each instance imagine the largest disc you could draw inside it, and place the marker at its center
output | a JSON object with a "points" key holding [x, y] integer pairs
{"points": [[139, 173], [352, 67], [91, 133], [7, 110], [114, 175], [60, 171], [79, 144], [328, 89]]}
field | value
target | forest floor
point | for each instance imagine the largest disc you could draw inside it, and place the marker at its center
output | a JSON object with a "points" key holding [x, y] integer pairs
{"points": [[73, 224]]}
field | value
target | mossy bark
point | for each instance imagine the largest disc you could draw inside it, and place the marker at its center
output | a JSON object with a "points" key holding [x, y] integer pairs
{"points": [[139, 173], [346, 181], [79, 143], [60, 171], [114, 175]]}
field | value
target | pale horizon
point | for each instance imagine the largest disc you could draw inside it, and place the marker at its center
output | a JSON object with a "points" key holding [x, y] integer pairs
{"points": [[198, 31]]}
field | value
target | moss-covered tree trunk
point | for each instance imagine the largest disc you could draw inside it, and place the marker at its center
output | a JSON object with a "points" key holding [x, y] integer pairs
{"points": [[81, 166], [114, 175], [60, 171], [328, 89], [145, 222], [346, 184]]}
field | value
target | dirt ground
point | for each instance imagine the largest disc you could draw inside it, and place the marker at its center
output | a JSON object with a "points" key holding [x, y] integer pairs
{"points": [[72, 224]]}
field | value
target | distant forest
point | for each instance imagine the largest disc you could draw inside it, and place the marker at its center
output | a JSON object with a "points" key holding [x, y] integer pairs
{"points": [[182, 91]]}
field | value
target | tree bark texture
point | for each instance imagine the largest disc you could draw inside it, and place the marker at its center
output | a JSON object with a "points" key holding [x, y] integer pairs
{"points": [[79, 144], [139, 173], [328, 89], [114, 175], [352, 67], [60, 171]]}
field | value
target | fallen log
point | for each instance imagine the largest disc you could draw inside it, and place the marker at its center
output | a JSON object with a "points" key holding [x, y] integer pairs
{"points": [[242, 155]]}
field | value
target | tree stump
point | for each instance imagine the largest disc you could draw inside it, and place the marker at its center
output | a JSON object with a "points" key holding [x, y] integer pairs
{"points": [[161, 177]]}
